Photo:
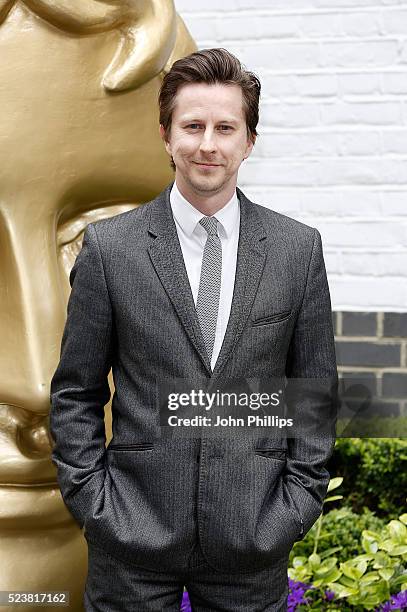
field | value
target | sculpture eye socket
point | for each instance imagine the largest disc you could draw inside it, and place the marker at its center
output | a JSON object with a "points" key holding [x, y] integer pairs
{"points": [[69, 251], [70, 232]]}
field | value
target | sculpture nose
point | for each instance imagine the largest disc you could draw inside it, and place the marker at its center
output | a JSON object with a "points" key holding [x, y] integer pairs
{"points": [[32, 310]]}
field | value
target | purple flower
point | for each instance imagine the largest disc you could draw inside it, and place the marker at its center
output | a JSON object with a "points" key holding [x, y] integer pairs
{"points": [[329, 595], [396, 602], [185, 603], [296, 594]]}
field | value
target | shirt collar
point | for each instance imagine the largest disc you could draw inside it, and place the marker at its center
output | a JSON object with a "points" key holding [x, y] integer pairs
{"points": [[188, 217]]}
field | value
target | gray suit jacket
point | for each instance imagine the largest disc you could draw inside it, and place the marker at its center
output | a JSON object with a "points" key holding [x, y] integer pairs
{"points": [[147, 499]]}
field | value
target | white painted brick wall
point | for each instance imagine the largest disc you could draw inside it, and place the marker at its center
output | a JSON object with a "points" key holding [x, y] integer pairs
{"points": [[332, 150]]}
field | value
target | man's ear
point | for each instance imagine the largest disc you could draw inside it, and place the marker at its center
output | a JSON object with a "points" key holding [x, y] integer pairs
{"points": [[250, 144], [164, 138]]}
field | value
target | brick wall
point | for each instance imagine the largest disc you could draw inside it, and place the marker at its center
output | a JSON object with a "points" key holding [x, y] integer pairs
{"points": [[333, 144], [371, 347]]}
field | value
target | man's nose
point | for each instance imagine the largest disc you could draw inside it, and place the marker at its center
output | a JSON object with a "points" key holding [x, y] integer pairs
{"points": [[208, 141], [32, 312]]}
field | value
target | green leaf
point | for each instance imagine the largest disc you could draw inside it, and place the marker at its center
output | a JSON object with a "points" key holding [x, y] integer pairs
{"points": [[369, 578], [387, 544], [366, 557], [398, 531], [373, 594], [386, 574], [370, 601], [298, 561], [326, 566], [353, 569], [342, 591], [369, 546], [403, 518], [352, 584], [334, 483], [333, 498], [314, 560], [293, 574], [400, 581], [398, 551], [331, 576], [381, 560], [372, 535], [361, 566], [370, 541], [330, 551]]}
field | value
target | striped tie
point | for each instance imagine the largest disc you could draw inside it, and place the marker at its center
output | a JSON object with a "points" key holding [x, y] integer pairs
{"points": [[207, 304]]}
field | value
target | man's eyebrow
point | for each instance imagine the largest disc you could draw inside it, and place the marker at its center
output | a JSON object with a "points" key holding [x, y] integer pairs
{"points": [[194, 119], [190, 119], [228, 121]]}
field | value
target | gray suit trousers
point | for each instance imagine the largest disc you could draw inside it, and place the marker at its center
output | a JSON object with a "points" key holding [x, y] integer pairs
{"points": [[113, 585]]}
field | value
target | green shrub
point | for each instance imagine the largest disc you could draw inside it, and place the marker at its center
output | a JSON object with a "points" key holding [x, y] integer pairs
{"points": [[340, 528], [366, 580], [374, 472]]}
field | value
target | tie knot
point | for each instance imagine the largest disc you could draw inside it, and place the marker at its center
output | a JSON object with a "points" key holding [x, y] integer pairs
{"points": [[210, 224]]}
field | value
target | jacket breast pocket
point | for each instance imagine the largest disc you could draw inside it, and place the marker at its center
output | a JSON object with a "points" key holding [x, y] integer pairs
{"points": [[275, 317]]}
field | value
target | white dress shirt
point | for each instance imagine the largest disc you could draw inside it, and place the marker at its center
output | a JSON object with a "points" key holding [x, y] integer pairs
{"points": [[192, 237]]}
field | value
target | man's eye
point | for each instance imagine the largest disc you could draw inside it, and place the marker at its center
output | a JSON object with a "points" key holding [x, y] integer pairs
{"points": [[225, 128], [193, 126]]}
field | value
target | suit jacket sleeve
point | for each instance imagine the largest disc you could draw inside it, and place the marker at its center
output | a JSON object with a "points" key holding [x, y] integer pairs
{"points": [[311, 358], [79, 387]]}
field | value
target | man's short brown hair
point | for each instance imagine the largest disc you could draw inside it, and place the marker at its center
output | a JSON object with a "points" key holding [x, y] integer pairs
{"points": [[210, 66]]}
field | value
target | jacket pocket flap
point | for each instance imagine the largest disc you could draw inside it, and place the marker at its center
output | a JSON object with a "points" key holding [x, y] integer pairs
{"points": [[275, 453], [276, 317], [131, 447]]}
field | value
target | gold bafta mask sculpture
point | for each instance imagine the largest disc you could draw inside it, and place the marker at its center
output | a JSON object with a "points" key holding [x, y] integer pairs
{"points": [[79, 141]]}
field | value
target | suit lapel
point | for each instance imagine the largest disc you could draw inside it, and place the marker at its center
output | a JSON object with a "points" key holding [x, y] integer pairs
{"points": [[166, 256], [249, 268]]}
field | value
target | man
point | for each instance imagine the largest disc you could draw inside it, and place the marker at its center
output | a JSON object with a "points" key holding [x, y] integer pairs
{"points": [[105, 48], [199, 285]]}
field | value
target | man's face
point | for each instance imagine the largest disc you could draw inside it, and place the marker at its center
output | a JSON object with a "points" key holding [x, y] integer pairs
{"points": [[208, 139]]}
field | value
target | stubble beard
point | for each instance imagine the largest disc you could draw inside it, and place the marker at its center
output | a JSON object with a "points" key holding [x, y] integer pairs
{"points": [[207, 187]]}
